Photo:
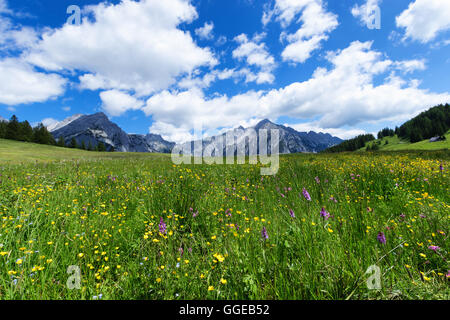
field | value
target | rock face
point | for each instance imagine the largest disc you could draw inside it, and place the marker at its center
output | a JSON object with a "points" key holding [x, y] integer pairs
{"points": [[98, 128], [290, 141]]}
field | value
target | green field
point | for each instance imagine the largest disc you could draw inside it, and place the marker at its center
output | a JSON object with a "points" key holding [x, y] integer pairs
{"points": [[139, 227], [397, 144]]}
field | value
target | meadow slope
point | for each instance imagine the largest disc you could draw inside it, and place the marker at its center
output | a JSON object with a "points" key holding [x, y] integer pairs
{"points": [[139, 227]]}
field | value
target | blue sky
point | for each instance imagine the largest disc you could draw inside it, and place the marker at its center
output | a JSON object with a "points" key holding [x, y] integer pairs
{"points": [[168, 66]]}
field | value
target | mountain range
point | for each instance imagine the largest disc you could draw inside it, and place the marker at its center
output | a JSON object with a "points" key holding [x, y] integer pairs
{"points": [[290, 141], [98, 128]]}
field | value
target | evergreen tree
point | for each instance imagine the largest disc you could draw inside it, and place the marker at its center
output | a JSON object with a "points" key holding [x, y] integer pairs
{"points": [[101, 147], [42, 136], [25, 132], [90, 148], [61, 142], [83, 145], [3, 126], [73, 144], [352, 144], [12, 129], [428, 124]]}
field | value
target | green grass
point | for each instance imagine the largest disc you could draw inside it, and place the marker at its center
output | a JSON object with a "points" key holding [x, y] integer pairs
{"points": [[101, 212], [16, 152], [397, 144]]}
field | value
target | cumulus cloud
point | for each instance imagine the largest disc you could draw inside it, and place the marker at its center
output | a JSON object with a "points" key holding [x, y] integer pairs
{"points": [[135, 46], [14, 36], [425, 19], [343, 133], [4, 7], [255, 53], [316, 24], [343, 96], [21, 83], [115, 102], [409, 66], [205, 32], [366, 12]]}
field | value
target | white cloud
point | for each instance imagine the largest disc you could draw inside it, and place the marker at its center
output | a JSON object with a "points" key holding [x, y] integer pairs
{"points": [[342, 133], [49, 122], [133, 46], [4, 7], [409, 66], [13, 36], [205, 32], [115, 103], [316, 24], [338, 99], [366, 11], [425, 19], [255, 54], [20, 83]]}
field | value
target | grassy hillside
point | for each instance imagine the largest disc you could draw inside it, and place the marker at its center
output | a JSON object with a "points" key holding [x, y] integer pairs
{"points": [[15, 151], [397, 144]]}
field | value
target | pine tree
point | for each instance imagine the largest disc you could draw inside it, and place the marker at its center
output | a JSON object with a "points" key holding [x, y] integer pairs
{"points": [[12, 129], [25, 132], [73, 144], [61, 142], [83, 145], [101, 147], [3, 126], [90, 148], [42, 136]]}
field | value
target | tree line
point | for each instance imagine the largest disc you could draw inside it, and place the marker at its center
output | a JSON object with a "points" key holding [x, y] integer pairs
{"points": [[352, 144], [23, 131], [432, 123]]}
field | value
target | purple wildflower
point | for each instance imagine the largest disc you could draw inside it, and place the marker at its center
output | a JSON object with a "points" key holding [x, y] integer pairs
{"points": [[162, 226], [306, 194], [317, 180], [181, 251], [381, 238], [448, 274], [324, 214], [195, 214], [264, 234], [291, 212], [441, 167], [434, 248]]}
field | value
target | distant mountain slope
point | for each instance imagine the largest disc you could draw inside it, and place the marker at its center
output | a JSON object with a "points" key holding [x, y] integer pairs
{"points": [[291, 141], [414, 134], [397, 144], [96, 128], [431, 123], [65, 122], [92, 129]]}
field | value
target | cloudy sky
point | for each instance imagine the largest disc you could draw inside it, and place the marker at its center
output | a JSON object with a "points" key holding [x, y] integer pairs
{"points": [[165, 66]]}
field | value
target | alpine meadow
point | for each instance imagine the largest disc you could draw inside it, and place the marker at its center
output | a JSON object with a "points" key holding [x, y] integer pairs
{"points": [[224, 159]]}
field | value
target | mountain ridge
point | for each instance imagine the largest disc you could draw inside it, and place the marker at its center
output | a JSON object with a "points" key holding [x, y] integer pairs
{"points": [[291, 141], [96, 128]]}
